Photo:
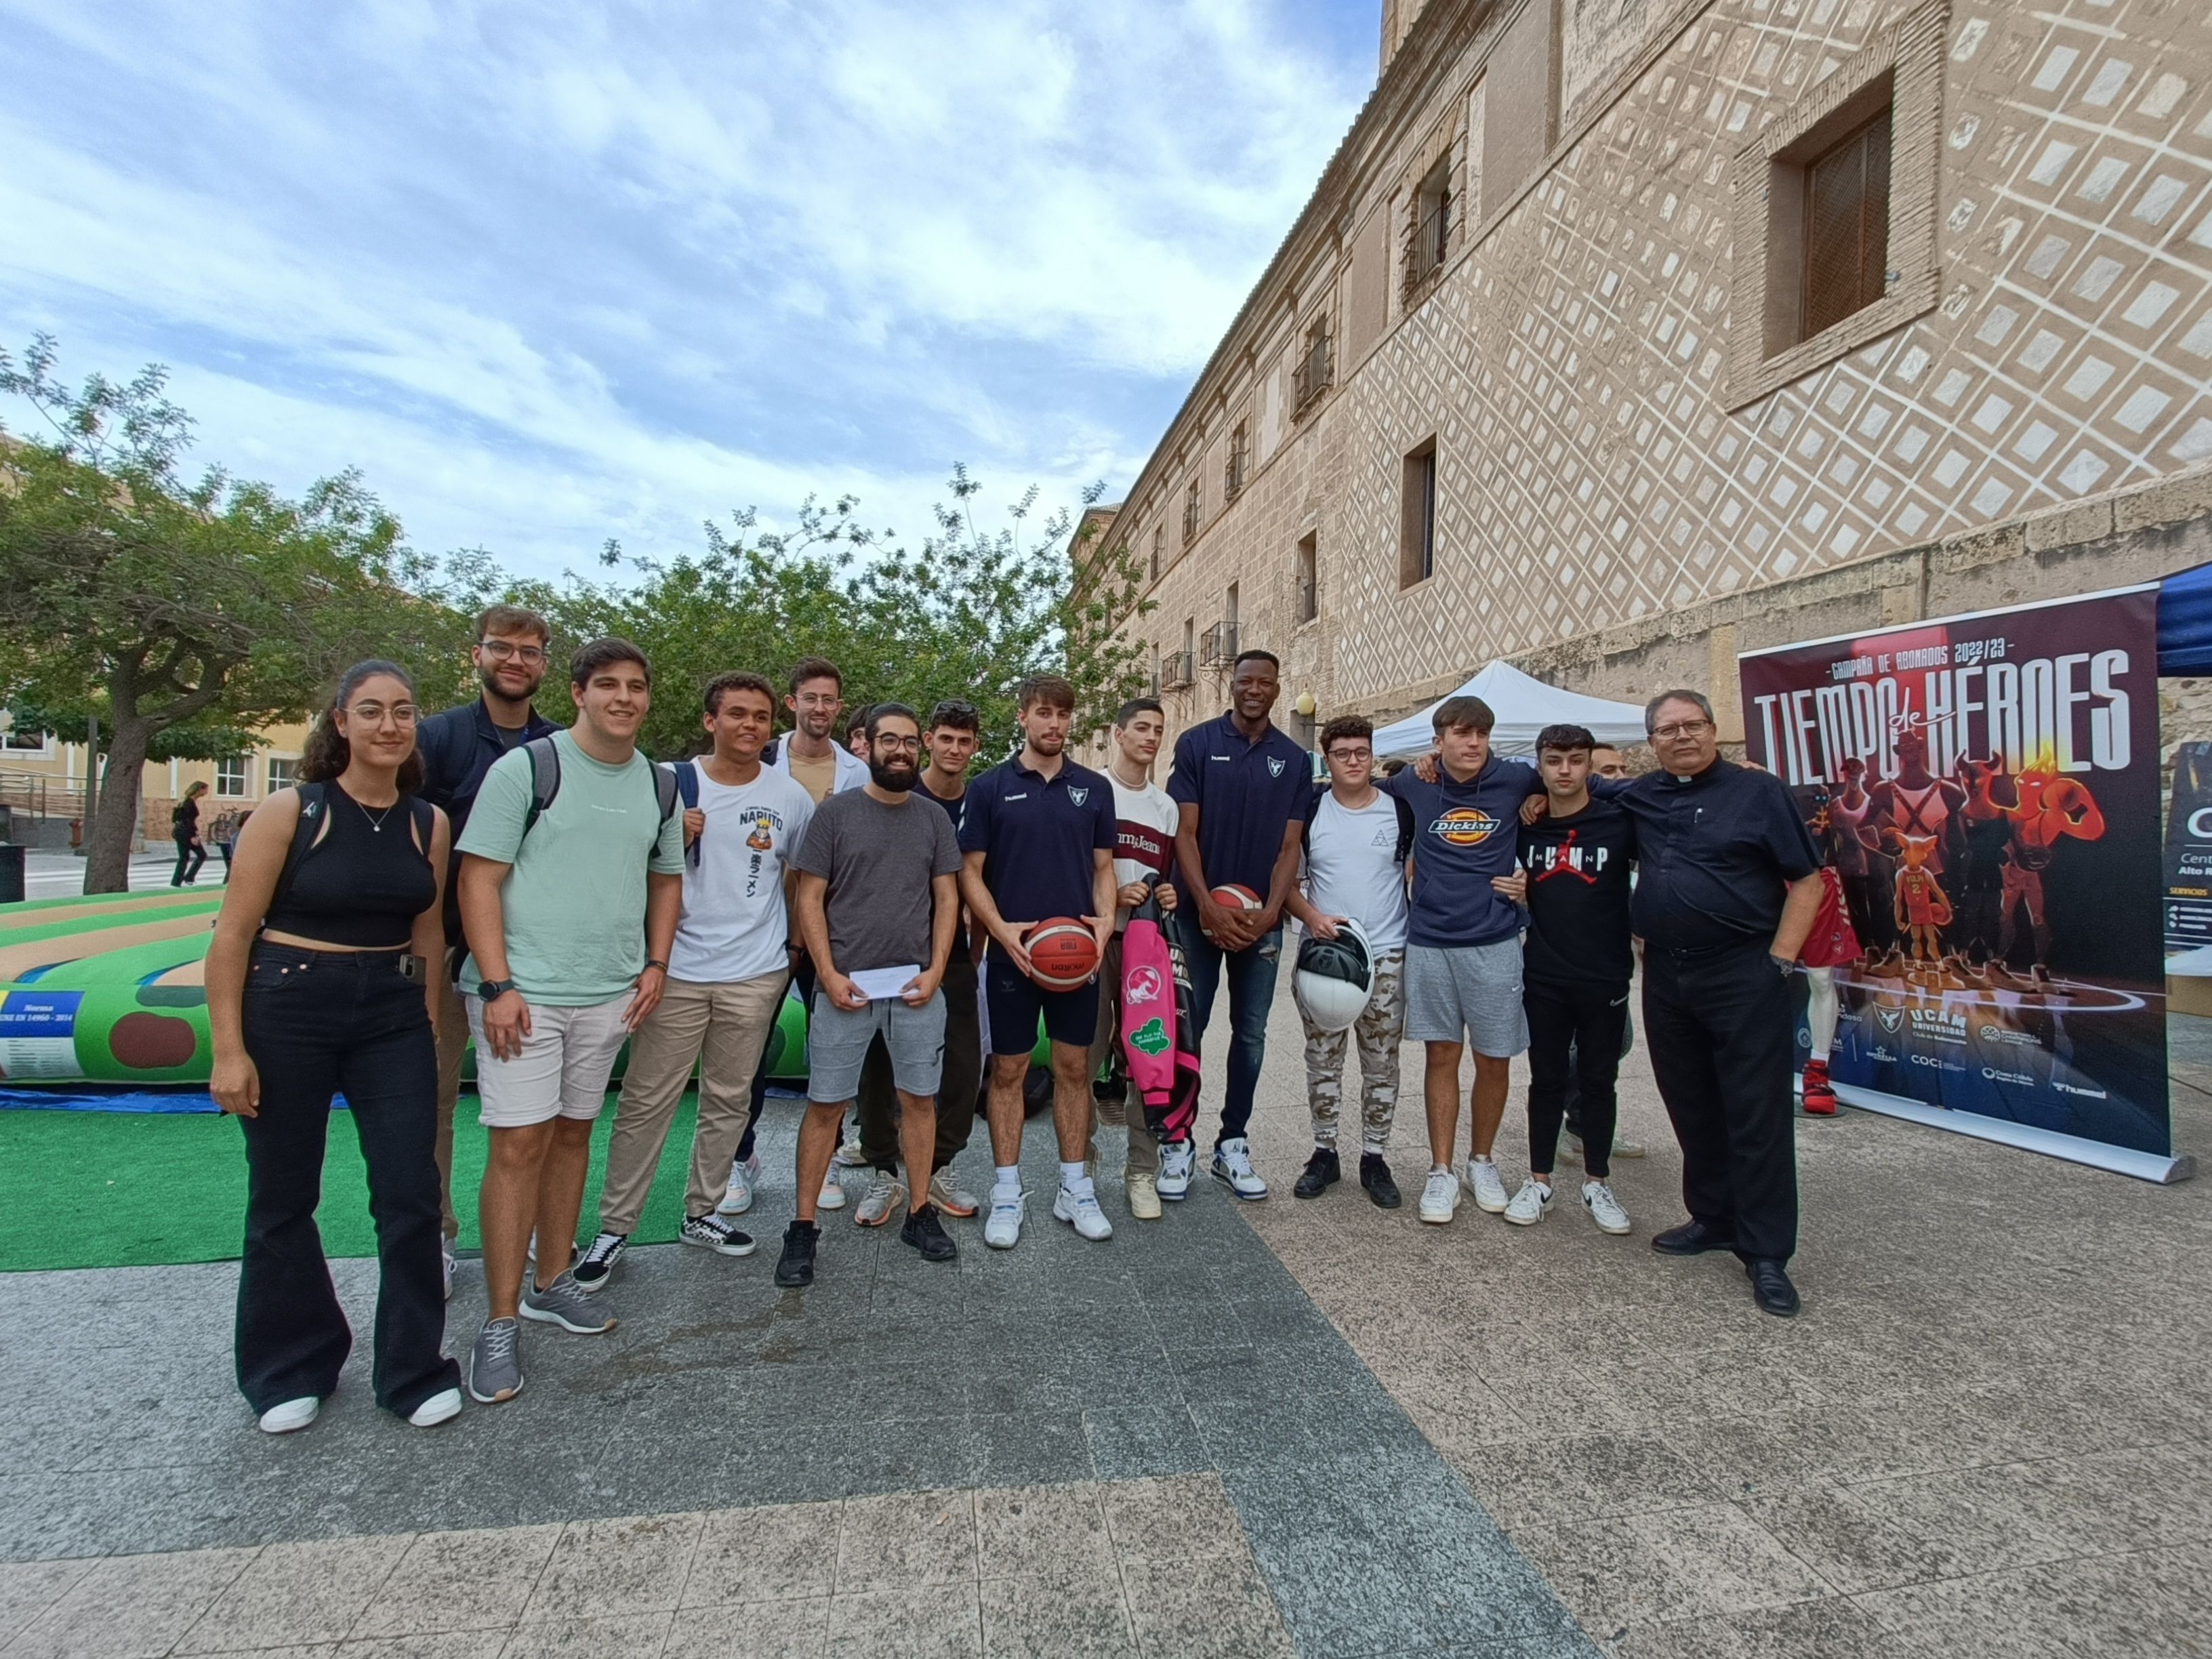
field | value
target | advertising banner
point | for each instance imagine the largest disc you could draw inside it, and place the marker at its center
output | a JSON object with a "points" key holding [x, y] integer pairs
{"points": [[2189, 863], [1986, 788]]}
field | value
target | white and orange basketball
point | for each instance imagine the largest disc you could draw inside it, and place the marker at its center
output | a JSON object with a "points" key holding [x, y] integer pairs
{"points": [[1063, 952], [1232, 896]]}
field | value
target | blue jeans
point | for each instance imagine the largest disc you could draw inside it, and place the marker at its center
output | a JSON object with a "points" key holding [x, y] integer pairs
{"points": [[1251, 993]]}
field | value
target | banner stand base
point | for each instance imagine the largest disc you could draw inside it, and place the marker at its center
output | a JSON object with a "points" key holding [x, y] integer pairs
{"points": [[2159, 1166]]}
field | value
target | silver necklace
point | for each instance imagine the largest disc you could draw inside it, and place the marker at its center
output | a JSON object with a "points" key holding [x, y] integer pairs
{"points": [[376, 819]]}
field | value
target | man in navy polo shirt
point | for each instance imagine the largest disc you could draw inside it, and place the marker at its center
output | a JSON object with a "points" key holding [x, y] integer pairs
{"points": [[1242, 788], [1037, 839]]}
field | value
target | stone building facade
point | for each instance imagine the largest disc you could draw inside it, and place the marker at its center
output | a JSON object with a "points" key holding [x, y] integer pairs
{"points": [[1620, 336]]}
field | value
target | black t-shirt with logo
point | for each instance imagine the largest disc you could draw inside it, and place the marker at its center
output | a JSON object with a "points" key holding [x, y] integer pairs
{"points": [[1578, 888]]}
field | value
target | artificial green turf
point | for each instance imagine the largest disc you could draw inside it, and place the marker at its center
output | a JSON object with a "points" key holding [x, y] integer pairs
{"points": [[124, 1190]]}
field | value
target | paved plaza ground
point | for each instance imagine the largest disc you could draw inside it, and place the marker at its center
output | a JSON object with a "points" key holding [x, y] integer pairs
{"points": [[1312, 1429]]}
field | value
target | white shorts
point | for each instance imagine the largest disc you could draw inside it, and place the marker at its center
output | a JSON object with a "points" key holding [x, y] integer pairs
{"points": [[562, 1071]]}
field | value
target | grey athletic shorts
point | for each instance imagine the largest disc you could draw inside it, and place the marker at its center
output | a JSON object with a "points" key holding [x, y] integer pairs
{"points": [[1468, 994], [837, 1041]]}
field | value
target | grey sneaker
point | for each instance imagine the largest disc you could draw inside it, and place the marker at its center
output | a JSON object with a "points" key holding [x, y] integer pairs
{"points": [[496, 1363], [564, 1302]]}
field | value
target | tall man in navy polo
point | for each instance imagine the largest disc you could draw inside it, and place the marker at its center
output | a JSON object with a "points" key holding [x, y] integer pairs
{"points": [[1037, 837], [1242, 788]]}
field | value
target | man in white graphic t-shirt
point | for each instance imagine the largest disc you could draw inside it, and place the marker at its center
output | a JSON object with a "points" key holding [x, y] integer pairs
{"points": [[727, 975], [1357, 842], [1144, 847]]}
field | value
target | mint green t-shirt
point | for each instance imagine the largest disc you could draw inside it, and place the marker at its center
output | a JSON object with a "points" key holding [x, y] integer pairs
{"points": [[574, 899]]}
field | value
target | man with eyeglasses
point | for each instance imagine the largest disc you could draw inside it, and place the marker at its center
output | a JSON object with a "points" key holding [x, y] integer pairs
{"points": [[1357, 842], [1728, 886], [458, 747]]}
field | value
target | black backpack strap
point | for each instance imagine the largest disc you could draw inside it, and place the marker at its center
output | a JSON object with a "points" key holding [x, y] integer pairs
{"points": [[1305, 824], [687, 790], [1405, 828], [425, 817], [544, 778], [314, 807]]}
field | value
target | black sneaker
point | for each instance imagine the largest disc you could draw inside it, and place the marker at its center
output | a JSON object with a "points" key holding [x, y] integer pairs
{"points": [[597, 1264], [711, 1232], [796, 1265], [924, 1231], [1375, 1176], [1321, 1172]]}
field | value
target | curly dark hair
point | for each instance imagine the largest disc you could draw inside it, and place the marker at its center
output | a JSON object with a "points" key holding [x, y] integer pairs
{"points": [[328, 753]]}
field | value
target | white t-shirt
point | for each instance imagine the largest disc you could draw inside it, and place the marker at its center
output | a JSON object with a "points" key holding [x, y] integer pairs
{"points": [[1352, 868], [734, 926], [1143, 835]]}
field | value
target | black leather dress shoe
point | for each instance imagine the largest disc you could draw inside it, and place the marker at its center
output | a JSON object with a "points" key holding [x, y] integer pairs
{"points": [[1771, 1288], [1692, 1238]]}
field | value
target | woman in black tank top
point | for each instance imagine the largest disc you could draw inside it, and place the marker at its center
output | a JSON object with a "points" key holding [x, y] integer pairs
{"points": [[318, 985]]}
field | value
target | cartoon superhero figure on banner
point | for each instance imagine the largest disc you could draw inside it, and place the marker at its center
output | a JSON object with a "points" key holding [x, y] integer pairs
{"points": [[2045, 807], [1923, 908]]}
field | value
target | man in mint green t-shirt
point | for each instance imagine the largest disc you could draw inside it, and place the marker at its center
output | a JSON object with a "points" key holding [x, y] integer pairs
{"points": [[569, 920]]}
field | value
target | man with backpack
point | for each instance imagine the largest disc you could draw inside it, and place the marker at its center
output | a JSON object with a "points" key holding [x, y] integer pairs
{"points": [[743, 823], [458, 747], [1357, 843], [571, 876]]}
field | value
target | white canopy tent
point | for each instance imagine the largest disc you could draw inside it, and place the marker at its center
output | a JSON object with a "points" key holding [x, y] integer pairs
{"points": [[1524, 706]]}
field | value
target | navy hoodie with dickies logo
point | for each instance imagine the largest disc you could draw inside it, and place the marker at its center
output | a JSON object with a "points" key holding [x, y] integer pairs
{"points": [[1464, 835]]}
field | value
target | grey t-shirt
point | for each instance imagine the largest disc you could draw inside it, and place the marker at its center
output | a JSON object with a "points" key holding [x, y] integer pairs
{"points": [[879, 861]]}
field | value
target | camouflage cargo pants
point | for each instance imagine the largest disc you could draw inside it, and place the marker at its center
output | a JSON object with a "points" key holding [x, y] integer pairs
{"points": [[1378, 1029]]}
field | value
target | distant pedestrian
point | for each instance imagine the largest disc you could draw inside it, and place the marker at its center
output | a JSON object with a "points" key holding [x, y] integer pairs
{"points": [[184, 830], [223, 832], [1728, 883], [318, 982]]}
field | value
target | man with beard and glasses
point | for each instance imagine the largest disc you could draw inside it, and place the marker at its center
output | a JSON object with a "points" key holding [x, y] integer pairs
{"points": [[877, 906], [457, 749], [1037, 840]]}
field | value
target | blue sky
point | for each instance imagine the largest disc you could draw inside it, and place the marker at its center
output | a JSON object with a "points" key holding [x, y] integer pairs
{"points": [[551, 272]]}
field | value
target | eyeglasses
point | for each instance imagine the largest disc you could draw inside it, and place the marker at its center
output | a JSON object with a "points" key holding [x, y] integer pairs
{"points": [[504, 651], [898, 745], [1681, 729], [1351, 755], [818, 699], [374, 713]]}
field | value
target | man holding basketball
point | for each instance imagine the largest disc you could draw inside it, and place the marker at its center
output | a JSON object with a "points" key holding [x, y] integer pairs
{"points": [[1037, 841], [1242, 788]]}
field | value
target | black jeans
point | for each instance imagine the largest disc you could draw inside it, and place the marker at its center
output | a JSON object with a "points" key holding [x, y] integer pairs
{"points": [[802, 976], [1574, 1088], [1574, 1030], [189, 856], [877, 1104], [1722, 1034], [319, 1023]]}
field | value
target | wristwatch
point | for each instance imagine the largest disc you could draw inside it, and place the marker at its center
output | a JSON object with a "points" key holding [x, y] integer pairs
{"points": [[492, 989], [1785, 965]]}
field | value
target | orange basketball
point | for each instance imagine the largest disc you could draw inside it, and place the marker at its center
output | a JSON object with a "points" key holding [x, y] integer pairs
{"points": [[1063, 952], [1231, 896]]}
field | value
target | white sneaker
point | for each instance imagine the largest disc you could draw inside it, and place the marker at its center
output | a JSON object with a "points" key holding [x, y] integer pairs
{"points": [[1440, 1197], [438, 1408], [1530, 1204], [1176, 1159], [1605, 1209], [1082, 1211], [291, 1415], [1003, 1226], [881, 1200], [1232, 1168], [1486, 1184], [446, 1264], [850, 1154], [737, 1196], [1624, 1147], [832, 1196]]}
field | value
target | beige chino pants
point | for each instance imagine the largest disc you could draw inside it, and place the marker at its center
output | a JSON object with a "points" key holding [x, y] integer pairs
{"points": [[721, 1028]]}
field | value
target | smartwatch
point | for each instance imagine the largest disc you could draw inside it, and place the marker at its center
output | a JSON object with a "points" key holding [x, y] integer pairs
{"points": [[492, 989]]}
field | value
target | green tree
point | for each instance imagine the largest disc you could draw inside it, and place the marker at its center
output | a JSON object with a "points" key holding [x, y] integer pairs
{"points": [[162, 606], [970, 613]]}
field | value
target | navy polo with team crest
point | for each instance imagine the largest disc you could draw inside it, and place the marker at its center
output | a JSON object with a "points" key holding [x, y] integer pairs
{"points": [[1248, 790], [1038, 837]]}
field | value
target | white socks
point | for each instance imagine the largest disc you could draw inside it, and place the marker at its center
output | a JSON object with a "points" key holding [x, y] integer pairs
{"points": [[1009, 1179], [1072, 1176]]}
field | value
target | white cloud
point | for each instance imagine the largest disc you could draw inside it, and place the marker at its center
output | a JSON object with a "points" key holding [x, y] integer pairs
{"points": [[558, 270]]}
